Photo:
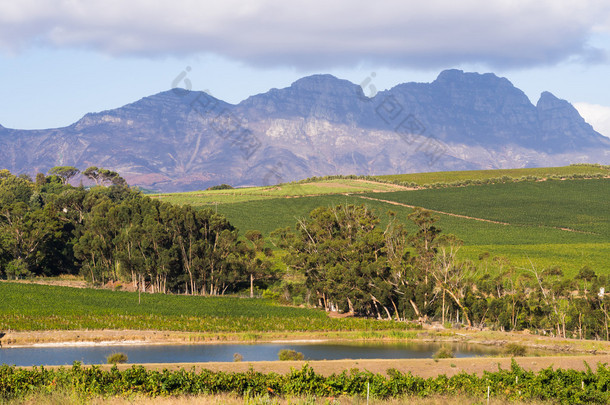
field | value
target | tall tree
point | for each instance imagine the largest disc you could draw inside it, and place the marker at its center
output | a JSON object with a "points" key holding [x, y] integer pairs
{"points": [[64, 172]]}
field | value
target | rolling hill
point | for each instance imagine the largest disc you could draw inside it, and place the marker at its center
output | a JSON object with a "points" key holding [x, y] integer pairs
{"points": [[541, 223]]}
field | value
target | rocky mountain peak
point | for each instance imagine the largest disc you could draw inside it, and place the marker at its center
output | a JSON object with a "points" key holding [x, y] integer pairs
{"points": [[459, 77], [562, 126], [548, 101], [322, 83], [320, 125]]}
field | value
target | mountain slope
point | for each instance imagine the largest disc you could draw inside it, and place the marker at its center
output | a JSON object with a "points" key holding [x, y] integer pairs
{"points": [[320, 125]]}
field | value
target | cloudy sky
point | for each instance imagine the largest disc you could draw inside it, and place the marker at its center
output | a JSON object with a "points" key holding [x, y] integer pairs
{"points": [[60, 59]]}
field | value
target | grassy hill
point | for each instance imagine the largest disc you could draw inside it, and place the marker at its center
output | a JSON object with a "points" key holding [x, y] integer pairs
{"points": [[287, 190], [422, 179], [544, 223]]}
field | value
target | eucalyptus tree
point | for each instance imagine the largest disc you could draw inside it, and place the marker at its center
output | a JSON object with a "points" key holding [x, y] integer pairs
{"points": [[64, 172]]}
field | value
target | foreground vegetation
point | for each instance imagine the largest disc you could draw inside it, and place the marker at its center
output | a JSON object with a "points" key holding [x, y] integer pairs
{"points": [[66, 398], [557, 386]]}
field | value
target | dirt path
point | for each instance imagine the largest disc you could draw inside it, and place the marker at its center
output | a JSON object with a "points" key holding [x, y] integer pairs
{"points": [[468, 217], [421, 367], [438, 212]]}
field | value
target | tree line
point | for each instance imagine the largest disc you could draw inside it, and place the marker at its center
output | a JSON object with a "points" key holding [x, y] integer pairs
{"points": [[352, 264], [338, 258], [111, 232]]}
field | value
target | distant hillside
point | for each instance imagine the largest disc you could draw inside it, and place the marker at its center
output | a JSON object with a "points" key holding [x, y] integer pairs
{"points": [[572, 171], [320, 125]]}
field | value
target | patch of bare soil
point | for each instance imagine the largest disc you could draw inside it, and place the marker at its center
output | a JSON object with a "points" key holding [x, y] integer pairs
{"points": [[61, 282], [421, 367], [339, 315]]}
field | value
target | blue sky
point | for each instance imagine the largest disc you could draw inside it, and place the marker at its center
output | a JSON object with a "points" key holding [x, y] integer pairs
{"points": [[60, 59]]}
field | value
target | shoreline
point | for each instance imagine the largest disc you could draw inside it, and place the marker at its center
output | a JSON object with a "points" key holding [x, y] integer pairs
{"points": [[91, 338], [558, 353], [105, 343]]}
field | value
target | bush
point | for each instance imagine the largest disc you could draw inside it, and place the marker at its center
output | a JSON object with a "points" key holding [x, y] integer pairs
{"points": [[443, 353], [115, 358], [288, 354], [221, 187], [237, 357], [17, 269], [515, 350]]}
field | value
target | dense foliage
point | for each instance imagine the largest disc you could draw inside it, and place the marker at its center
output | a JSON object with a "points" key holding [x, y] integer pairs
{"points": [[557, 386], [352, 264], [108, 233]]}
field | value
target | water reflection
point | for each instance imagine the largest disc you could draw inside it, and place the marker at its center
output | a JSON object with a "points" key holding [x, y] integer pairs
{"points": [[225, 352]]}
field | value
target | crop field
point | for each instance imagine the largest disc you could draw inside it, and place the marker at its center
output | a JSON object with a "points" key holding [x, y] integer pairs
{"points": [[41, 307], [579, 204], [564, 223], [287, 190], [541, 172]]}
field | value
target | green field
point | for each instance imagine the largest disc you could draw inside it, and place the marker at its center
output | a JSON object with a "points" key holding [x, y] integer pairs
{"points": [[457, 176], [579, 205], [287, 190], [545, 223], [535, 211], [41, 307]]}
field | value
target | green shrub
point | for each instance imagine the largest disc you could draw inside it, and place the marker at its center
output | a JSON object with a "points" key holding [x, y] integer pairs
{"points": [[515, 350], [289, 354], [221, 187], [115, 358], [17, 269], [443, 353]]}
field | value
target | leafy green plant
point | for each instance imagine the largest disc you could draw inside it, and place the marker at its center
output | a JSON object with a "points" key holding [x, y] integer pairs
{"points": [[443, 353], [289, 354], [513, 384], [116, 358], [515, 350], [17, 269]]}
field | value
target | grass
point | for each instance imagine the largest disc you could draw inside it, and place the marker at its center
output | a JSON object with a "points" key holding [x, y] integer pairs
{"points": [[239, 195], [457, 176], [569, 257], [535, 212], [580, 204], [41, 307]]}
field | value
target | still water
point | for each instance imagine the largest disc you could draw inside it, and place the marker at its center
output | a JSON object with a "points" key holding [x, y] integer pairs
{"points": [[224, 352]]}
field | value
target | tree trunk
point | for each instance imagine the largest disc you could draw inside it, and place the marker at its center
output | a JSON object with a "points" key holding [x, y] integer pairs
{"points": [[443, 316], [414, 305], [459, 304], [395, 310]]}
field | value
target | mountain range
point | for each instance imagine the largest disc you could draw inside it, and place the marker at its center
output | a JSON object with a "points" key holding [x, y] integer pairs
{"points": [[182, 140]]}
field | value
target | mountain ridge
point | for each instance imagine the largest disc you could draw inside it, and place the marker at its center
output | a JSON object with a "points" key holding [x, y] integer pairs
{"points": [[320, 125]]}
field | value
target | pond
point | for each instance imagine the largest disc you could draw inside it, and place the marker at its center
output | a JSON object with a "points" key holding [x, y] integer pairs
{"points": [[140, 354]]}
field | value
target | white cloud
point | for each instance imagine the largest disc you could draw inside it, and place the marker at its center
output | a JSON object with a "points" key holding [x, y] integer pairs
{"points": [[596, 115], [308, 33]]}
